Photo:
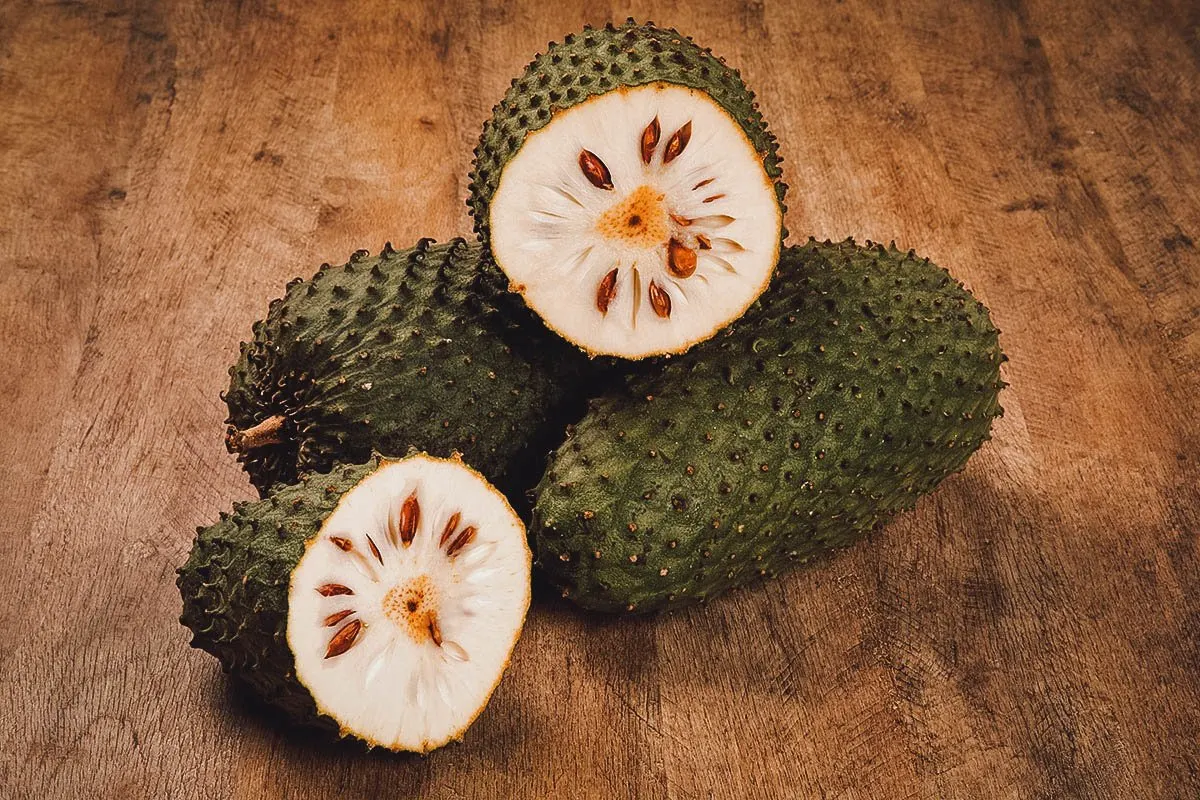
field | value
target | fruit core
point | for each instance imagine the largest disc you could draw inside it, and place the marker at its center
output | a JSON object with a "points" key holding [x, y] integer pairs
{"points": [[412, 607]]}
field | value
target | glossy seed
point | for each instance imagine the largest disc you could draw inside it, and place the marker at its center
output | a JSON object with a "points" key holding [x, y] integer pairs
{"points": [[342, 543], [334, 619], [660, 301], [344, 639], [374, 549], [606, 291], [594, 170], [678, 141], [448, 531], [410, 517], [681, 260], [435, 631], [461, 541], [332, 589], [650, 138], [703, 242]]}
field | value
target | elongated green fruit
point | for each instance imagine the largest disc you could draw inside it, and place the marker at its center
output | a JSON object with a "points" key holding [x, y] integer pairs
{"points": [[629, 188], [378, 601], [860, 380], [414, 348]]}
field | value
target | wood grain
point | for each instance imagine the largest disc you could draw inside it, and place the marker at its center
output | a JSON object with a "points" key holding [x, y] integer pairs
{"points": [[1031, 631]]}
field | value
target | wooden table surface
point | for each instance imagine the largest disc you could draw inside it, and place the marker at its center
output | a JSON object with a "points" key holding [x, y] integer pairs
{"points": [[1032, 630]]}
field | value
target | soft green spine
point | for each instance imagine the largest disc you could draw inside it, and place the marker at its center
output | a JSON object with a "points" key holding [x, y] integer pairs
{"points": [[235, 586], [860, 380], [415, 348], [597, 61]]}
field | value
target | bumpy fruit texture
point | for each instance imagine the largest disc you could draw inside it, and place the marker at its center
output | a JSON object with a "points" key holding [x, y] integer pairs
{"points": [[859, 381], [628, 187], [415, 348], [235, 586], [381, 601], [597, 61]]}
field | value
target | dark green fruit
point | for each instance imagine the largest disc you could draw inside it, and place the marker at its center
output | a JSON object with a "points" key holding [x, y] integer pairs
{"points": [[378, 601], [415, 348], [859, 381], [628, 187]]}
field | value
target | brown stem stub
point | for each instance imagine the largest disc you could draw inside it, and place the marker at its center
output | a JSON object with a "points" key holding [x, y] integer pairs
{"points": [[267, 432]]}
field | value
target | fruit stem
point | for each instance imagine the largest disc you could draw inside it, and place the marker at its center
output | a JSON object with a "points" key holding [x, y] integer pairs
{"points": [[269, 431]]}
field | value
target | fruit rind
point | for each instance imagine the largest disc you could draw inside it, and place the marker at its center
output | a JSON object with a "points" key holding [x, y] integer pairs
{"points": [[861, 379]]}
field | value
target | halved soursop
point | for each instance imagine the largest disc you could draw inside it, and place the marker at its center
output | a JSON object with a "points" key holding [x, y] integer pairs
{"points": [[860, 379], [415, 348], [379, 601], [629, 188]]}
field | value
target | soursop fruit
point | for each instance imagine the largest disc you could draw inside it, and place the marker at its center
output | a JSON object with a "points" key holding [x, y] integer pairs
{"points": [[859, 381], [379, 601], [629, 188], [415, 348]]}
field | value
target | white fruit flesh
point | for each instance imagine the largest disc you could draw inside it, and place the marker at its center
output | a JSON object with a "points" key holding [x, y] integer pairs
{"points": [[656, 182], [405, 608]]}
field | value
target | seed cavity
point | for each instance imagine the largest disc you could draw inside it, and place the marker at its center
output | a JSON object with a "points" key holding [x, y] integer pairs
{"points": [[678, 141], [650, 138], [660, 301], [344, 639], [606, 291], [333, 589], [703, 242], [681, 260], [595, 170]]}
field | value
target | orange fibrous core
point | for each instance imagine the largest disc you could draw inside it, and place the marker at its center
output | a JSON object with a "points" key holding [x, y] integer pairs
{"points": [[639, 220], [412, 607]]}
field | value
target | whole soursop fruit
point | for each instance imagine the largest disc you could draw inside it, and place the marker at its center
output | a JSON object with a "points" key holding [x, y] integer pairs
{"points": [[379, 601], [629, 188], [415, 348], [858, 382]]}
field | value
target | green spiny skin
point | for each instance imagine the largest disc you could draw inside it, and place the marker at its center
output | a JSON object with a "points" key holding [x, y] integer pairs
{"points": [[415, 348], [598, 61], [235, 586], [857, 382]]}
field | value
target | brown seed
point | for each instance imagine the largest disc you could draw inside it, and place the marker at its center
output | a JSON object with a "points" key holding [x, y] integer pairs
{"points": [[410, 517], [435, 631], [343, 543], [606, 291], [374, 549], [594, 170], [462, 541], [682, 221], [681, 260], [703, 183], [660, 301], [677, 142], [332, 589], [703, 241], [713, 198], [650, 138], [448, 531], [334, 619], [344, 639]]}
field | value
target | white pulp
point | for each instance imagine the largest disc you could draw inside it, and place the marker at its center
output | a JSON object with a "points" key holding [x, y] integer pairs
{"points": [[552, 230], [395, 686]]}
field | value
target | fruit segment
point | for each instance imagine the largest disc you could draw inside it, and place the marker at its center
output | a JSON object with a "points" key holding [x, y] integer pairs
{"points": [[381, 601], [636, 206]]}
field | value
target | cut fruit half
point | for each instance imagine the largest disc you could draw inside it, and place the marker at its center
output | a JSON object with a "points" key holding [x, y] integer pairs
{"points": [[628, 188], [402, 600]]}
